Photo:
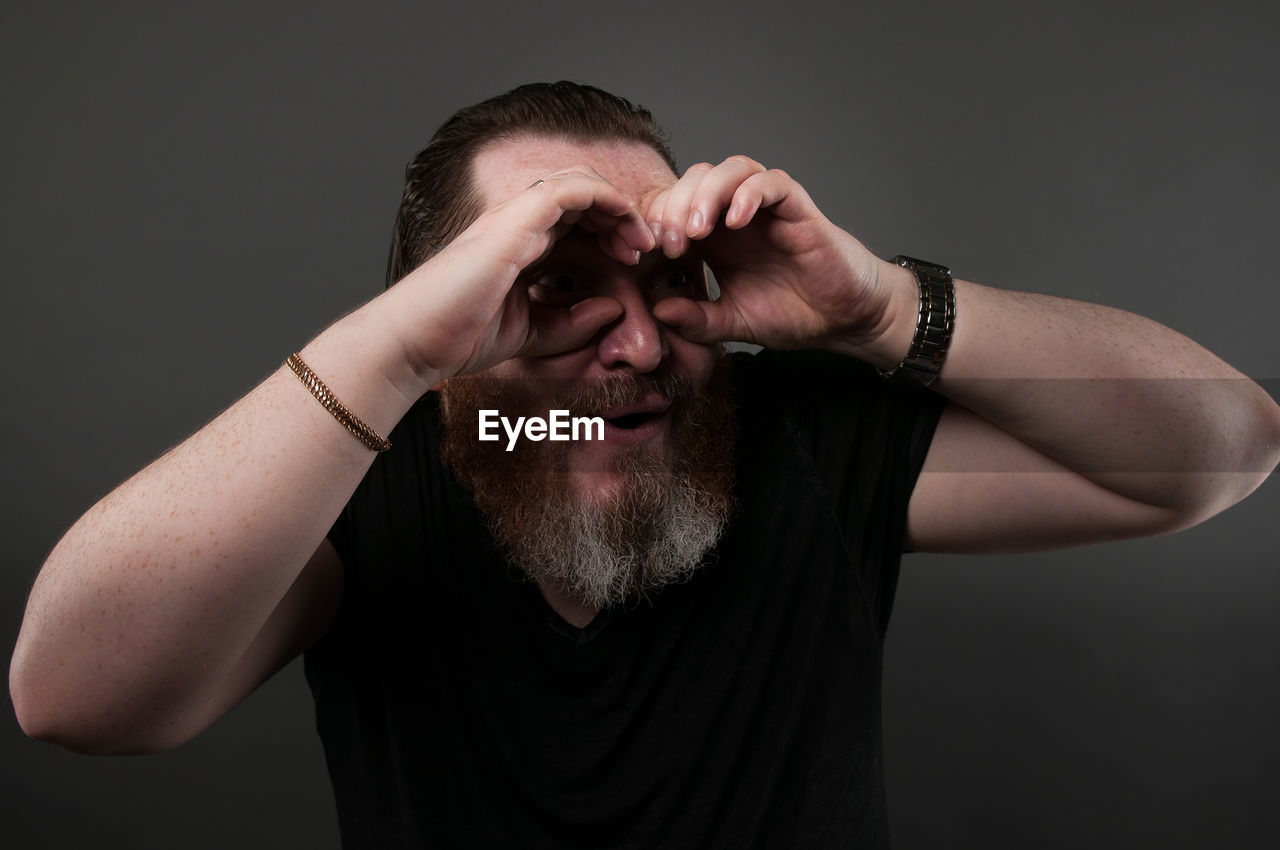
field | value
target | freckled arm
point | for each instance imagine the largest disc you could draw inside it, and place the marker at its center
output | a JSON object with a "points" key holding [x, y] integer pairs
{"points": [[1077, 423], [176, 594], [1072, 423]]}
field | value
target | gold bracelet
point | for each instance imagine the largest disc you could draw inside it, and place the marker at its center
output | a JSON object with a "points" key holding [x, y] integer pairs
{"points": [[349, 420]]}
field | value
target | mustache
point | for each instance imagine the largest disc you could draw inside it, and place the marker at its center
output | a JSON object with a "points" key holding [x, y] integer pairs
{"points": [[618, 390], [531, 395]]}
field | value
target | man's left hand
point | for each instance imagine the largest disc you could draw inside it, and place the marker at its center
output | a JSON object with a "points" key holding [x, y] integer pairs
{"points": [[789, 278]]}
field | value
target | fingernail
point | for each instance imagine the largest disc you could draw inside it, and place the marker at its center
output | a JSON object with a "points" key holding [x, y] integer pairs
{"points": [[735, 212], [635, 258], [670, 243], [656, 227], [695, 222]]}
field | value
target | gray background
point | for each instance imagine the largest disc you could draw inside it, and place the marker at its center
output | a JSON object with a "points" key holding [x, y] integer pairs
{"points": [[190, 193]]}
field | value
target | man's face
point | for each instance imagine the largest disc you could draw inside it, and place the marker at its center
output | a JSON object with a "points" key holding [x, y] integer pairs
{"points": [[613, 519], [633, 346]]}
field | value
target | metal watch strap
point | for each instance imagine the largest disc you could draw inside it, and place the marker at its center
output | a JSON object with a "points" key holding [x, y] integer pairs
{"points": [[933, 324]]}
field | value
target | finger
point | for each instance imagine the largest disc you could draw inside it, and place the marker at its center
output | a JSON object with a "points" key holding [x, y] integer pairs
{"points": [[631, 229], [554, 330], [701, 321], [605, 214], [653, 214], [618, 237], [620, 248], [544, 208], [581, 193], [557, 232], [715, 192], [612, 244], [675, 211], [773, 189]]}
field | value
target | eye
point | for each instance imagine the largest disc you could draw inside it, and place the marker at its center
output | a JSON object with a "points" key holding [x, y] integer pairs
{"points": [[558, 286], [673, 280]]}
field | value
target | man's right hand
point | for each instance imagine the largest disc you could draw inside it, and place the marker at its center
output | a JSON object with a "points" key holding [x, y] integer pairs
{"points": [[461, 310]]}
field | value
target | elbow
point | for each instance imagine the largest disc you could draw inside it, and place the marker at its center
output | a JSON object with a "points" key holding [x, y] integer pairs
{"points": [[1249, 445], [1270, 440], [1257, 442], [83, 736], [68, 720], [43, 716], [49, 728]]}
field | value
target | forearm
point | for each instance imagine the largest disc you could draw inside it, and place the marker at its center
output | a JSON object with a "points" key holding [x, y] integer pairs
{"points": [[150, 600], [152, 608], [1131, 405], [1091, 423]]}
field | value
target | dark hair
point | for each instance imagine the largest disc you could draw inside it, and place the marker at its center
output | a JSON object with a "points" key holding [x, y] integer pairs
{"points": [[439, 199]]}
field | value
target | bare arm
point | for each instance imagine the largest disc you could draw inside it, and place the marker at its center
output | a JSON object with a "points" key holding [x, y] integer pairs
{"points": [[1071, 423], [197, 578], [1074, 423], [145, 609]]}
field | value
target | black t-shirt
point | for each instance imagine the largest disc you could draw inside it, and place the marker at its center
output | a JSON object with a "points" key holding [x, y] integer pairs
{"points": [[738, 709]]}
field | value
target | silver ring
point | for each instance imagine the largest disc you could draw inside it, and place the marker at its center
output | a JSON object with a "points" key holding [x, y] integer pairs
{"points": [[536, 183]]}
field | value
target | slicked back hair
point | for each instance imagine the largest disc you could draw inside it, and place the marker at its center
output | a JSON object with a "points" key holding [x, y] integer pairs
{"points": [[440, 199]]}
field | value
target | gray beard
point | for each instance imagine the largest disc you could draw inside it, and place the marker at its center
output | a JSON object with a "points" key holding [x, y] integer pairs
{"points": [[603, 554], [652, 529]]}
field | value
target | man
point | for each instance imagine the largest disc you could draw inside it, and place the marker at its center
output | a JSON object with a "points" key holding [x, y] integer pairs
{"points": [[669, 636]]}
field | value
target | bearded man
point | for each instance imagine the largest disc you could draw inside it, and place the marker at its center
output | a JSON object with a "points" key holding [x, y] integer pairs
{"points": [[667, 637]]}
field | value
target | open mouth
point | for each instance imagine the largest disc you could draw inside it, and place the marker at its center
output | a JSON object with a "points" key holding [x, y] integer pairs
{"points": [[631, 421], [639, 421]]}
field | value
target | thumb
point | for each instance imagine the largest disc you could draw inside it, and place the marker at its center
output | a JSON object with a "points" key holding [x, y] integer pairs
{"points": [[700, 321]]}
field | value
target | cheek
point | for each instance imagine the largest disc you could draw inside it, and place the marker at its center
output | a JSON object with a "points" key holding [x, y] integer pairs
{"points": [[569, 367], [541, 380], [557, 367], [694, 360]]}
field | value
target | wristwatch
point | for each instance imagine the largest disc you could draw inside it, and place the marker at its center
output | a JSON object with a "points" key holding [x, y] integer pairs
{"points": [[933, 324]]}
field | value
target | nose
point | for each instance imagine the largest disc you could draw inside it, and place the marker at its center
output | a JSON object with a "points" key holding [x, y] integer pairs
{"points": [[635, 340]]}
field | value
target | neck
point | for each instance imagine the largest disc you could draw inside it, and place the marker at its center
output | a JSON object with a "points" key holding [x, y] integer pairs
{"points": [[573, 611]]}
